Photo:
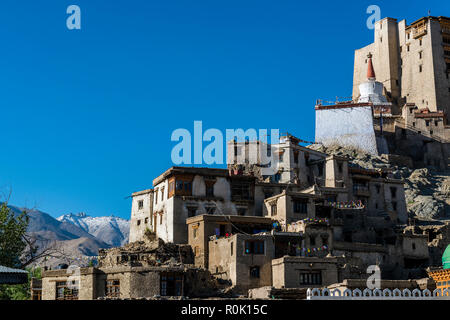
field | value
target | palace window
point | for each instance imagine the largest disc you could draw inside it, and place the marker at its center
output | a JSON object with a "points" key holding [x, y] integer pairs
{"points": [[312, 240], [112, 288], [210, 190], [240, 191], [300, 206], [393, 192], [277, 177], [183, 187], [140, 204], [254, 247], [191, 211], [171, 284], [273, 210], [66, 292], [320, 168], [171, 188], [310, 278]]}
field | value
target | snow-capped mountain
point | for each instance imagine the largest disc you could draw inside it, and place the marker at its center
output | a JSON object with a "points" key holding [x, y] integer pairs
{"points": [[111, 230]]}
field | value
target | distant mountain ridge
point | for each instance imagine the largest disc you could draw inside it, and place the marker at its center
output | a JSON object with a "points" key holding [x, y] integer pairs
{"points": [[48, 228], [77, 235], [109, 229]]}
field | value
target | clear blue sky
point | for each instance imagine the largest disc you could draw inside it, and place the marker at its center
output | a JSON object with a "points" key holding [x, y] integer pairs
{"points": [[87, 114]]}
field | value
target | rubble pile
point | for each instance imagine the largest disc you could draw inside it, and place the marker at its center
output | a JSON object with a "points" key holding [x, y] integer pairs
{"points": [[427, 190], [154, 252]]}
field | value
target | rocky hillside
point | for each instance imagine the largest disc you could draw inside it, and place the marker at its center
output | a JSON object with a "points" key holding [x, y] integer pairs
{"points": [[427, 190], [111, 230]]}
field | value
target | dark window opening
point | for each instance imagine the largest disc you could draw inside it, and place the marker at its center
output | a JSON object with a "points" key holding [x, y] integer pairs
{"points": [[269, 150], [348, 236], [320, 168], [311, 278], [254, 247], [273, 210], [393, 192], [140, 204], [254, 272], [240, 191], [222, 230], [210, 191], [300, 206], [191, 211], [171, 284]]}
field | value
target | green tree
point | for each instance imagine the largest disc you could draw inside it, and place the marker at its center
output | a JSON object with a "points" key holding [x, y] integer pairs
{"points": [[12, 236], [12, 244]]}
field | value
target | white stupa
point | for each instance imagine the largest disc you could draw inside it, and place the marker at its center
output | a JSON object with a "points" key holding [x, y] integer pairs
{"points": [[372, 90]]}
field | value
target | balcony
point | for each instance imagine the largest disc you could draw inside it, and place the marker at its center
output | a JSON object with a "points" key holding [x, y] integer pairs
{"points": [[419, 32]]}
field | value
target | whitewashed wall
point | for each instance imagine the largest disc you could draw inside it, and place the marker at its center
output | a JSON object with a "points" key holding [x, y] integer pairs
{"points": [[347, 127]]}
